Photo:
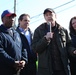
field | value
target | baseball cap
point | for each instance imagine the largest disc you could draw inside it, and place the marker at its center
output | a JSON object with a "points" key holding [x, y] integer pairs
{"points": [[7, 13], [48, 10]]}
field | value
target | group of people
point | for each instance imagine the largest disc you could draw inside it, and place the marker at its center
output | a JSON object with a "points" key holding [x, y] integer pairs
{"points": [[16, 55], [54, 46]]}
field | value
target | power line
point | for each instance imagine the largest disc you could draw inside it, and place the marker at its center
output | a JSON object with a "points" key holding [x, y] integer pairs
{"points": [[64, 4], [67, 8], [40, 13], [54, 8], [57, 12]]}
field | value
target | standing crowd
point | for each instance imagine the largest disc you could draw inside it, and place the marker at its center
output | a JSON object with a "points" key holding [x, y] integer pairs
{"points": [[50, 44]]}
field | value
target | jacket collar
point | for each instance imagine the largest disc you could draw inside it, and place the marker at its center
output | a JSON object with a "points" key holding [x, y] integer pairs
{"points": [[3, 29]]}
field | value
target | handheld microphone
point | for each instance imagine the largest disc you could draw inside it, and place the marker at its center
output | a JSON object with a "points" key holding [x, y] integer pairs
{"points": [[49, 23]]}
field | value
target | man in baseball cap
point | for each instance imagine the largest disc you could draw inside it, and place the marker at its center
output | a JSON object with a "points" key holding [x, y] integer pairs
{"points": [[7, 13], [12, 54], [48, 10], [7, 18], [48, 43]]}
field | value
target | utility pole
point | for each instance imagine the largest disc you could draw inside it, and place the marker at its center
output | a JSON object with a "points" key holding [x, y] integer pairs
{"points": [[15, 13]]}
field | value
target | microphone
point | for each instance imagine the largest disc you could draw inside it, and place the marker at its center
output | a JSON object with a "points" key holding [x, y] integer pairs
{"points": [[49, 23]]}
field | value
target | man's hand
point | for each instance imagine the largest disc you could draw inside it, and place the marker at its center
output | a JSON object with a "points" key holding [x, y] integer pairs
{"points": [[48, 36], [22, 64], [74, 52], [19, 64]]}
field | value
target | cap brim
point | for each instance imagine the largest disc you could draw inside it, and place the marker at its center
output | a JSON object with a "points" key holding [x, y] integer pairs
{"points": [[47, 11], [11, 14]]}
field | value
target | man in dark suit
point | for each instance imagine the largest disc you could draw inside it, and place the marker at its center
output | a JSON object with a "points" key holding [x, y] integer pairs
{"points": [[26, 36]]}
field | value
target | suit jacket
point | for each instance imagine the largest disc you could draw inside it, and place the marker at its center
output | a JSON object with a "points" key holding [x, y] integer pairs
{"points": [[30, 68]]}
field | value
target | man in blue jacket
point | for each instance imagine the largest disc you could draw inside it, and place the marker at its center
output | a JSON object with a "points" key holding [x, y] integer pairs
{"points": [[12, 55]]}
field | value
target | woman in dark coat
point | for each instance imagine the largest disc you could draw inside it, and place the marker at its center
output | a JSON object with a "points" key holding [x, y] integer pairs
{"points": [[72, 29]]}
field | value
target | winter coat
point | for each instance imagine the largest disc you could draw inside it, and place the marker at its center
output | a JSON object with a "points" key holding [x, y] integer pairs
{"points": [[42, 47], [10, 51], [30, 68], [73, 59]]}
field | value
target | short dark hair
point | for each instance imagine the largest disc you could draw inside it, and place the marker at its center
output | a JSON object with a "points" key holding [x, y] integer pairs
{"points": [[21, 16]]}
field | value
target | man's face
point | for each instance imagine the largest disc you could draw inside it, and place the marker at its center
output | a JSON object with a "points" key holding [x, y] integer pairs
{"points": [[50, 17], [8, 21], [24, 23]]}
